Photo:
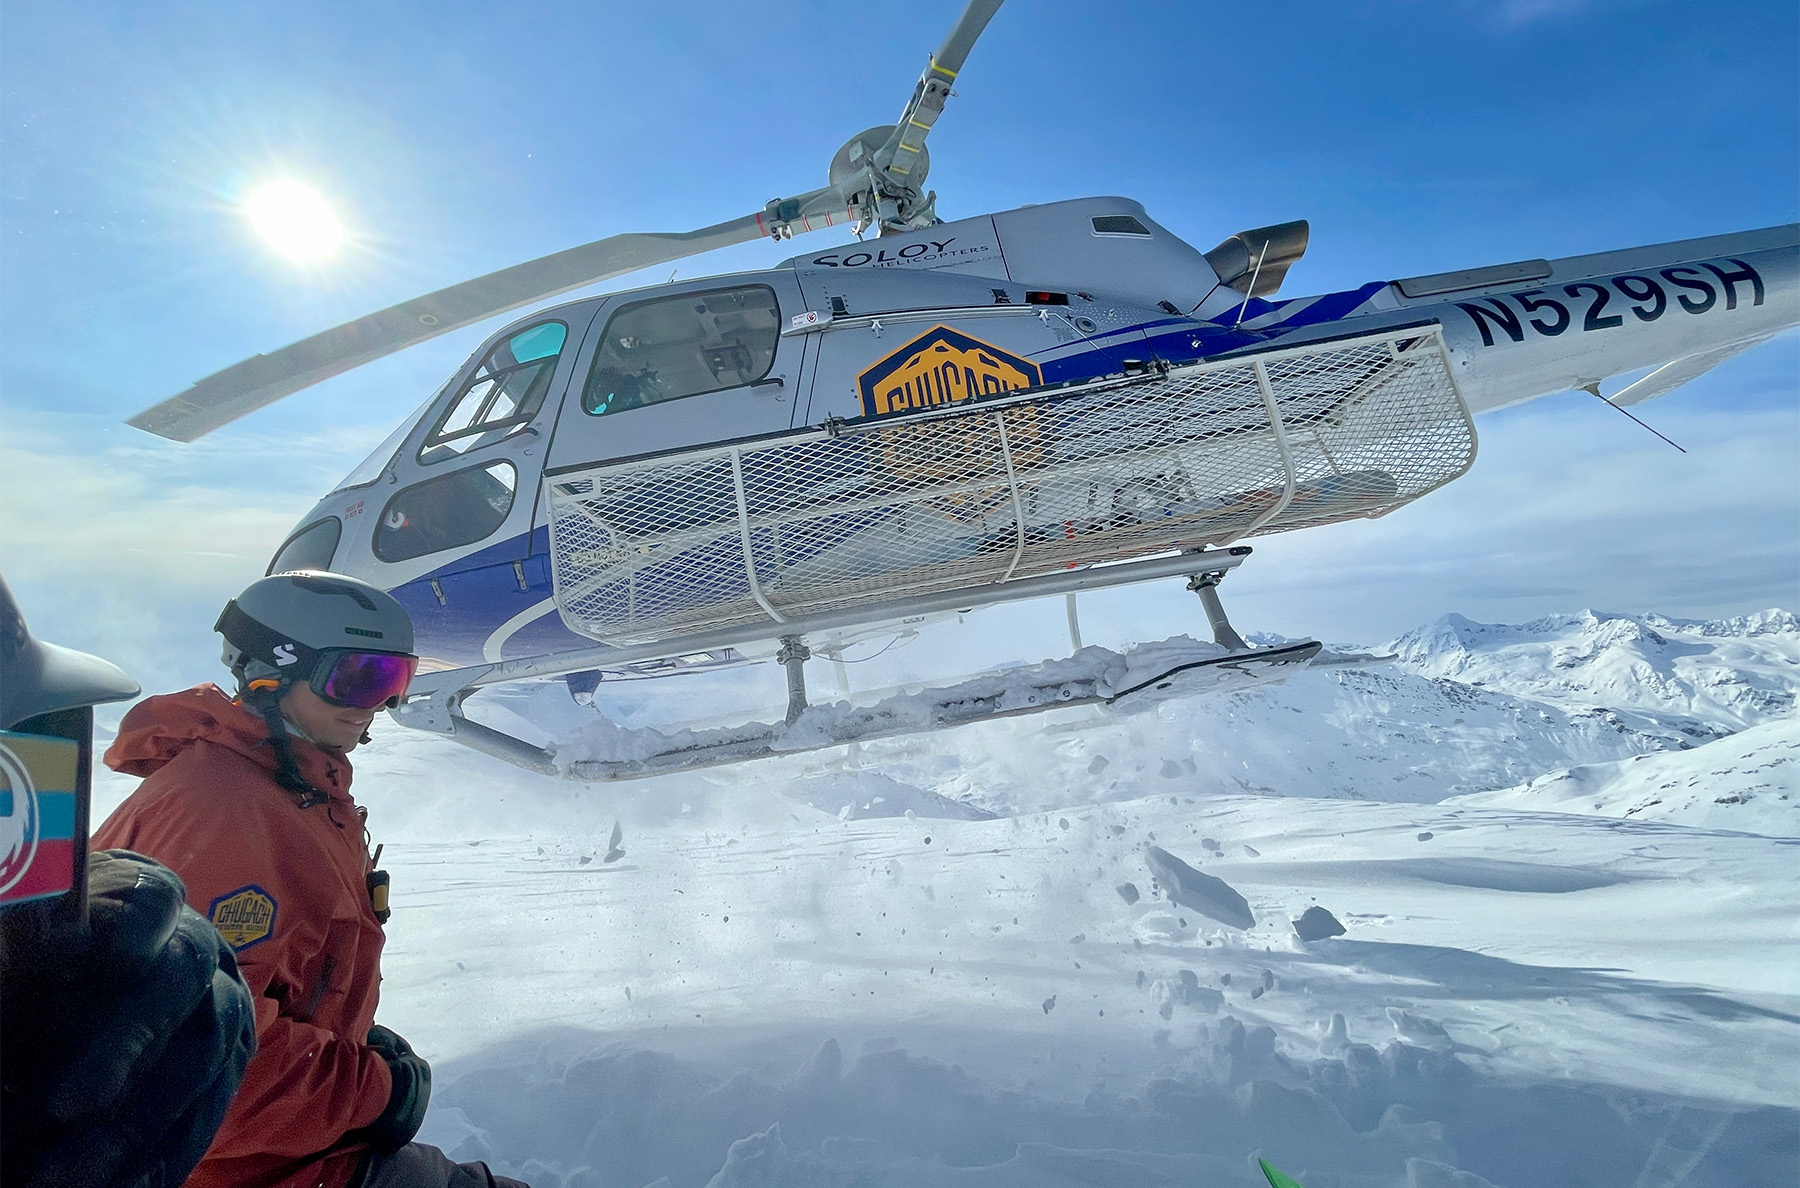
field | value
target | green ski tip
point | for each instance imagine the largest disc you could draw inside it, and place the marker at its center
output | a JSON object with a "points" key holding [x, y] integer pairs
{"points": [[1276, 1179]]}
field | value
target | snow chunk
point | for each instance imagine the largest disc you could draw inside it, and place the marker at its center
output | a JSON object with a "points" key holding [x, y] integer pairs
{"points": [[1213, 898], [1429, 1173], [1148, 661], [755, 1161], [1315, 923], [1336, 1039], [1417, 1029]]}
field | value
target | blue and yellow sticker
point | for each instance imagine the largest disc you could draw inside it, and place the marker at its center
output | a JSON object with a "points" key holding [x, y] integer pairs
{"points": [[243, 917], [940, 367], [38, 774]]}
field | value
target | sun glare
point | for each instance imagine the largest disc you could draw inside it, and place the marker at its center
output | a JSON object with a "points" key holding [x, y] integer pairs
{"points": [[295, 221]]}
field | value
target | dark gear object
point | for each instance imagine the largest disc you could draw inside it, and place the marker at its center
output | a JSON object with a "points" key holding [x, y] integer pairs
{"points": [[405, 1111], [121, 1041]]}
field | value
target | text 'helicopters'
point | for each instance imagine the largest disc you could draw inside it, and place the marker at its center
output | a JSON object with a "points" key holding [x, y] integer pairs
{"points": [[950, 415]]}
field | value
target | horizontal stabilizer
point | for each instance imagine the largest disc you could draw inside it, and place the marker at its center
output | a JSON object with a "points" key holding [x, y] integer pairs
{"points": [[1669, 376]]}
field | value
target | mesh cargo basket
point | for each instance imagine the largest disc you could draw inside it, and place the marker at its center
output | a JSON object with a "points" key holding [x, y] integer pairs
{"points": [[863, 515]]}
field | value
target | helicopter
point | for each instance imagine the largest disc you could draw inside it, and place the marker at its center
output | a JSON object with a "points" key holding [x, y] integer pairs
{"points": [[947, 415]]}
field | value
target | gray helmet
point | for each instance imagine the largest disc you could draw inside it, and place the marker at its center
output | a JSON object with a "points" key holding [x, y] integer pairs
{"points": [[281, 625], [40, 678]]}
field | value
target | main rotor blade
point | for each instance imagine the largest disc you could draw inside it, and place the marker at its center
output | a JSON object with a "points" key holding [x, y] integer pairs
{"points": [[901, 153], [263, 379]]}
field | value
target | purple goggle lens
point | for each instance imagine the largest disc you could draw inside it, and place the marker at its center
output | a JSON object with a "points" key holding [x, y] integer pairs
{"points": [[366, 680]]}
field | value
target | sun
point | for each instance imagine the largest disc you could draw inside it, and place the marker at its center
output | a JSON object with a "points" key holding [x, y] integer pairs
{"points": [[294, 220]]}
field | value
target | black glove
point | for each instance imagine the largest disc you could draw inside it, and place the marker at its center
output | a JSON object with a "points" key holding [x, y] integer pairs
{"points": [[124, 1040], [405, 1111]]}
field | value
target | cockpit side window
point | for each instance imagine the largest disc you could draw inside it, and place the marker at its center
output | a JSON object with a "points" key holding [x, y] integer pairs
{"points": [[312, 547], [688, 345], [502, 396], [446, 512]]}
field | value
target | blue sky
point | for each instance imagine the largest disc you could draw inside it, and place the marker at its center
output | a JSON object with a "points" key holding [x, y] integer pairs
{"points": [[456, 139]]}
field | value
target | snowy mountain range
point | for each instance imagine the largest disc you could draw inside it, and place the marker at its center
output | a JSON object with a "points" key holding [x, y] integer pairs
{"points": [[1725, 673]]}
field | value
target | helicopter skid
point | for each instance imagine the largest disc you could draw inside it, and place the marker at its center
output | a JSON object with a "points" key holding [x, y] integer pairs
{"points": [[1128, 682]]}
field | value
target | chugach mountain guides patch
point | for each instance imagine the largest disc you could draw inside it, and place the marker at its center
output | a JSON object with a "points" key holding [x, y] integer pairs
{"points": [[243, 917]]}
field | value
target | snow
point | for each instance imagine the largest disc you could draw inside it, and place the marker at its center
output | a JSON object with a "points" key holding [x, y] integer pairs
{"points": [[1186, 887], [1749, 781], [1727, 673], [984, 958]]}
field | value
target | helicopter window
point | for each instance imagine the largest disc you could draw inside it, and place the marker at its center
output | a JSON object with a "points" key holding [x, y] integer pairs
{"points": [[441, 513], [1118, 225], [502, 396], [310, 548], [683, 346]]}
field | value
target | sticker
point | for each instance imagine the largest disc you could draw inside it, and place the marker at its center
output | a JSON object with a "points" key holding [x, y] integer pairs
{"points": [[243, 917], [940, 367], [37, 815]]}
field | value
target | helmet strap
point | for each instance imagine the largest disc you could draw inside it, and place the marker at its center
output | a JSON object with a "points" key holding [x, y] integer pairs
{"points": [[264, 696]]}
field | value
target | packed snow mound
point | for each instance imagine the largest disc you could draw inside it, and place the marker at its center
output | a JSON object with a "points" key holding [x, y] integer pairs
{"points": [[1728, 673], [1748, 782]]}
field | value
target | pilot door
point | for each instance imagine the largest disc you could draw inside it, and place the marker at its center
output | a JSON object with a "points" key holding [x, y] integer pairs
{"points": [[685, 370], [450, 527]]}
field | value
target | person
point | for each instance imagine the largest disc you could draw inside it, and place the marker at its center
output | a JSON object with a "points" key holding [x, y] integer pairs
{"points": [[125, 1026], [247, 798]]}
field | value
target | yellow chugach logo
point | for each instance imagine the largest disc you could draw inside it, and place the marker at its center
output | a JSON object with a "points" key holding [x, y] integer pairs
{"points": [[941, 366], [243, 917]]}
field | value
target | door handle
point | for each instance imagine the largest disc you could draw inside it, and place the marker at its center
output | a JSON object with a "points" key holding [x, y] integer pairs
{"points": [[773, 381]]}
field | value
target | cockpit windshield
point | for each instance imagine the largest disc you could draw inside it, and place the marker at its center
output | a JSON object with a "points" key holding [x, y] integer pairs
{"points": [[503, 395]]}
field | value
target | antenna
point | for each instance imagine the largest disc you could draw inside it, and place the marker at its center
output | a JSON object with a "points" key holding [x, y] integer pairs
{"points": [[1251, 291], [1594, 387]]}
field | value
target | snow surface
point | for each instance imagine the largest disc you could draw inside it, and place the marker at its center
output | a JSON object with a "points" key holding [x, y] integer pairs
{"points": [[1749, 781], [1564, 854]]}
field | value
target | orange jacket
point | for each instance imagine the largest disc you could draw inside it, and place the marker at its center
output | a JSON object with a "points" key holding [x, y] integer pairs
{"points": [[287, 888]]}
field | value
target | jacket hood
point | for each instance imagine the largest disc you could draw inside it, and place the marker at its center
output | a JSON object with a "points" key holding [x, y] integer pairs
{"points": [[158, 729]]}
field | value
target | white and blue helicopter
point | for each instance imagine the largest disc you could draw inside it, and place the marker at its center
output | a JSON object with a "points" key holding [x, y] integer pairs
{"points": [[949, 415]]}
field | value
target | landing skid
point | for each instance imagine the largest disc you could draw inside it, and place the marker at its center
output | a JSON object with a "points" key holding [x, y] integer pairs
{"points": [[1118, 682], [1088, 678]]}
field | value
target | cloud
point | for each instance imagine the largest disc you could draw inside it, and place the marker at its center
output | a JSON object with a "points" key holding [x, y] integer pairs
{"points": [[71, 516], [125, 545], [1563, 510]]}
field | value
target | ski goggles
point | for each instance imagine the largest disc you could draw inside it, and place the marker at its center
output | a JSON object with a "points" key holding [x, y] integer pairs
{"points": [[363, 680]]}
